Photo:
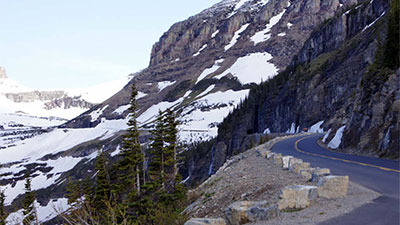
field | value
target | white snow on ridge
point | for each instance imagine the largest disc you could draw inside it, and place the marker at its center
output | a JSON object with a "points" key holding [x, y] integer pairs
{"points": [[201, 125], [252, 68], [152, 112], [95, 114], [264, 35], [238, 5], [236, 36], [201, 49], [140, 95], [371, 24], [101, 92], [164, 84], [121, 109], [20, 118], [213, 35], [32, 150], [337, 139], [210, 70], [208, 90]]}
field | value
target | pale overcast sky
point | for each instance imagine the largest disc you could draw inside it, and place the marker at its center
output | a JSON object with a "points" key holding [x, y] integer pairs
{"points": [[76, 43]]}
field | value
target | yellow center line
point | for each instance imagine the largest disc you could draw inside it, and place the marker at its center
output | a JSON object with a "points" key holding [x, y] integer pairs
{"points": [[296, 145]]}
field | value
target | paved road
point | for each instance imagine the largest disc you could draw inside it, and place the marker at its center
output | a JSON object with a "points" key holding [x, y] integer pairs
{"points": [[380, 175]]}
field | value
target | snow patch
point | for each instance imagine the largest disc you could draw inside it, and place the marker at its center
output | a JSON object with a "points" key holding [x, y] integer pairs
{"points": [[337, 139], [292, 129], [121, 109], [210, 70], [45, 213], [264, 35], [97, 113], [252, 68], [152, 112], [316, 128], [267, 131], [164, 84], [369, 25], [326, 135], [213, 35], [236, 36], [201, 49], [282, 34]]}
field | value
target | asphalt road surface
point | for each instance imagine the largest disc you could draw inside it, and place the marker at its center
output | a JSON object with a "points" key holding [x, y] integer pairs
{"points": [[380, 175]]}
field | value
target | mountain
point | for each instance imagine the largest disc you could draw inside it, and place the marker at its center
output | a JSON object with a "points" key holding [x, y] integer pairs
{"points": [[263, 65]]}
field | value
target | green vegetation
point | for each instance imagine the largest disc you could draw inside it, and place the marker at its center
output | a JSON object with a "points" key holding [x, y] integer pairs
{"points": [[388, 54], [29, 210], [133, 194]]}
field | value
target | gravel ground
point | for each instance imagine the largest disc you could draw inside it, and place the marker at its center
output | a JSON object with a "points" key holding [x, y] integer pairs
{"points": [[249, 176]]}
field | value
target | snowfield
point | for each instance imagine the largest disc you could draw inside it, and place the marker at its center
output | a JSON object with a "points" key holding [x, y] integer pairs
{"points": [[252, 68]]}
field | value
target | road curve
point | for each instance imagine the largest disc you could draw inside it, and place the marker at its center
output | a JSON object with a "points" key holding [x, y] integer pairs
{"points": [[380, 175]]}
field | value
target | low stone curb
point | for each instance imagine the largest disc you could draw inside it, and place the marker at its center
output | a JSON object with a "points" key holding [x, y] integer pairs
{"points": [[294, 197]]}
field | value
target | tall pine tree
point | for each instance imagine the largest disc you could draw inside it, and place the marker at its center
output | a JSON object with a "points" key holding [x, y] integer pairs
{"points": [[157, 152], [102, 189], [171, 134], [130, 167], [28, 206], [3, 215]]}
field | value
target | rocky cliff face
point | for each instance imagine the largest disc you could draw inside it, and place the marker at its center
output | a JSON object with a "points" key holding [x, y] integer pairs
{"points": [[327, 82], [51, 99], [198, 60]]}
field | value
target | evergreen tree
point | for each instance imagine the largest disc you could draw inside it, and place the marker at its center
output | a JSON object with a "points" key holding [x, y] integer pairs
{"points": [[102, 189], [29, 210], [130, 167], [392, 45], [157, 154], [171, 134], [3, 215]]}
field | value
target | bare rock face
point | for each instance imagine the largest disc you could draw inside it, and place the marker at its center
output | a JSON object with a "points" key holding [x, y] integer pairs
{"points": [[333, 186], [3, 74], [51, 99], [297, 197]]}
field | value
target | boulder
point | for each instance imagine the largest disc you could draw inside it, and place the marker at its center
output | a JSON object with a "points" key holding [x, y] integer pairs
{"points": [[333, 186], [299, 166], [297, 197], [307, 173], [205, 221], [293, 161], [285, 160], [270, 155], [245, 211], [278, 159], [320, 172]]}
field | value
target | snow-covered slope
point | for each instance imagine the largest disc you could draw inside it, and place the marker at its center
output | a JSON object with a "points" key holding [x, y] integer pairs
{"points": [[66, 104]]}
